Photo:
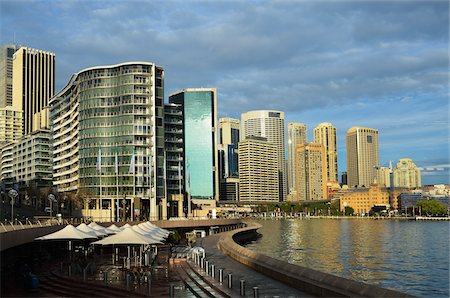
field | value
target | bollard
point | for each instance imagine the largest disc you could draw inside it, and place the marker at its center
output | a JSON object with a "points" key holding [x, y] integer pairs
{"points": [[207, 267], [84, 274], [149, 286], [70, 270], [105, 277], [242, 281], [202, 265], [230, 280], [171, 291], [255, 292], [221, 275], [213, 271], [128, 281]]}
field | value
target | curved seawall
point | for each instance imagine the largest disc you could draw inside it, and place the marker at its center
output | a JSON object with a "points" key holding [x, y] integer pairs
{"points": [[305, 279]]}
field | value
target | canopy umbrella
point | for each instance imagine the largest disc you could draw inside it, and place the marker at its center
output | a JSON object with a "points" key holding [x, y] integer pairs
{"points": [[67, 233], [146, 233], [87, 229], [127, 237], [152, 231], [127, 225], [152, 226], [98, 227], [114, 228]]}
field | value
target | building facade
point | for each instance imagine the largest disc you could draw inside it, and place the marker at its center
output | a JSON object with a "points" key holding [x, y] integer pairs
{"points": [[33, 83], [363, 199], [362, 156], [311, 172], [10, 124], [270, 125], [258, 171], [6, 74], [108, 138], [325, 134], [407, 174], [384, 176], [228, 140], [200, 161], [297, 135]]}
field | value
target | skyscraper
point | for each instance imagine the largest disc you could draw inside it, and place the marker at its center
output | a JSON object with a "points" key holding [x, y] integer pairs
{"points": [[268, 124], [228, 140], [325, 134], [407, 174], [108, 133], [6, 74], [311, 172], [33, 83], [362, 156], [258, 172], [297, 135], [199, 111]]}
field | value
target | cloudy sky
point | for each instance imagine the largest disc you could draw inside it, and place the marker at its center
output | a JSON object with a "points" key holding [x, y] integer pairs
{"points": [[381, 64]]}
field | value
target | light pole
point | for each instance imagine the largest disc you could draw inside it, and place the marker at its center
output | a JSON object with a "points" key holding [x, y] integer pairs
{"points": [[51, 198], [12, 194]]}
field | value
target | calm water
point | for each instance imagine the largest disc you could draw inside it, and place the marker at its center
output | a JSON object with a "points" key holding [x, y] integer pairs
{"points": [[407, 256]]}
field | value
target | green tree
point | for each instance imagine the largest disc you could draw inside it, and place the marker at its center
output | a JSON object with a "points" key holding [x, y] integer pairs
{"points": [[431, 207], [349, 211]]}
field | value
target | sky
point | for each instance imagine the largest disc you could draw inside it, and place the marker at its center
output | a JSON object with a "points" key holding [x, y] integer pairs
{"points": [[378, 64]]}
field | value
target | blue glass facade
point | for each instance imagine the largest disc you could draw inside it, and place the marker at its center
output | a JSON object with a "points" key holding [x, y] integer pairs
{"points": [[199, 146]]}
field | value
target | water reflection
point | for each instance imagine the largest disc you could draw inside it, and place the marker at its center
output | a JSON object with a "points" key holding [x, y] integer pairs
{"points": [[406, 256]]}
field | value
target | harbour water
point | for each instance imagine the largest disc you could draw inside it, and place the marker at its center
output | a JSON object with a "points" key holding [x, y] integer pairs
{"points": [[407, 256]]}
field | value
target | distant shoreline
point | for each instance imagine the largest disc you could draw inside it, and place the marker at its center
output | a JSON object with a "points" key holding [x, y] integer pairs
{"points": [[416, 218]]}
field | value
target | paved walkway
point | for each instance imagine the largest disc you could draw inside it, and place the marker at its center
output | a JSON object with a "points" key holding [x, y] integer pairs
{"points": [[267, 287]]}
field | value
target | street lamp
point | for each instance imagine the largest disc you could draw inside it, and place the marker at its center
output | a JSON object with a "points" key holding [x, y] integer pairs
{"points": [[12, 194], [51, 198]]}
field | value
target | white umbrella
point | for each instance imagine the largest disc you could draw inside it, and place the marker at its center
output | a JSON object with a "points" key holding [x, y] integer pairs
{"points": [[114, 228], [87, 229], [98, 227], [149, 225], [127, 236], [153, 231], [68, 233], [127, 225], [146, 233]]}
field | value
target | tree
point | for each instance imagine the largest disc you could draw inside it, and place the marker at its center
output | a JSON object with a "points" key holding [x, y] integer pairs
{"points": [[349, 211], [431, 207]]}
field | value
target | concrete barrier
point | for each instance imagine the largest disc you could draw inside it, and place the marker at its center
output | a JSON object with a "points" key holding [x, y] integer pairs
{"points": [[304, 279]]}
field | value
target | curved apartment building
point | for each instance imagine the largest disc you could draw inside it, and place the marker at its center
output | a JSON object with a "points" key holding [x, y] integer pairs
{"points": [[109, 134]]}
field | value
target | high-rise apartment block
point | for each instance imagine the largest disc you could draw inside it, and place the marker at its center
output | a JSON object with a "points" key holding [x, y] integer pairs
{"points": [[33, 83], [258, 171], [297, 135], [384, 176], [108, 138], [10, 124], [198, 107], [6, 74], [325, 134], [311, 172], [270, 125], [407, 174], [362, 156], [228, 139]]}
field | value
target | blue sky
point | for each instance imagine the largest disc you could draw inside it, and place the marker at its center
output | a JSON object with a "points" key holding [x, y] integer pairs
{"points": [[382, 64]]}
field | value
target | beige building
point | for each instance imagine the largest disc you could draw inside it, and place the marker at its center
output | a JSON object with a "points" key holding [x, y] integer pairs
{"points": [[407, 174], [33, 83], [362, 156], [297, 135], [7, 165], [270, 125], [311, 172], [384, 176], [363, 199], [325, 134], [10, 124], [258, 171], [6, 74]]}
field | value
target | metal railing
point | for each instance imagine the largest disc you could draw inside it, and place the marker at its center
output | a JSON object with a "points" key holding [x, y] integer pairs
{"points": [[42, 221]]}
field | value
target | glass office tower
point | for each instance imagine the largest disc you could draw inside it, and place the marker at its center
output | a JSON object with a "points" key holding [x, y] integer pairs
{"points": [[199, 111]]}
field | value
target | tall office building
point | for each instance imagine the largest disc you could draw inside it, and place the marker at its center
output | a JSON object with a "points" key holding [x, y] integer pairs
{"points": [[228, 140], [297, 135], [407, 174], [311, 172], [198, 107], [6, 74], [33, 83], [270, 125], [362, 156], [325, 134], [258, 171], [10, 124], [108, 138], [384, 176]]}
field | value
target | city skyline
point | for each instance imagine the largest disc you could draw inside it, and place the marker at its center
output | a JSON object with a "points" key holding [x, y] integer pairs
{"points": [[240, 48]]}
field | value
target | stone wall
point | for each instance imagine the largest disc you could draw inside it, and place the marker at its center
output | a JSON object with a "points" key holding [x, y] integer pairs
{"points": [[304, 279]]}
